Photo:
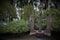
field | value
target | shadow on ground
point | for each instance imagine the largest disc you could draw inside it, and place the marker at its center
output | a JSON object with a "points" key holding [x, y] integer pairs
{"points": [[26, 36]]}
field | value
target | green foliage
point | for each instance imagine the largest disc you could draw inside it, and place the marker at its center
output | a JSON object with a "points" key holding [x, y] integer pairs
{"points": [[36, 20], [55, 13], [16, 27], [43, 21], [28, 10], [6, 9]]}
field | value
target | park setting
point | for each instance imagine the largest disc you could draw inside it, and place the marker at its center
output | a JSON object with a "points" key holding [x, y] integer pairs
{"points": [[29, 19]]}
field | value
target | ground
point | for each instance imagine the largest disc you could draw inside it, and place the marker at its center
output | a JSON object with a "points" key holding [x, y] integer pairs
{"points": [[24, 36]]}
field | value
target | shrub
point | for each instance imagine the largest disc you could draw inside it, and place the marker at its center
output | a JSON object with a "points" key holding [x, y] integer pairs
{"points": [[55, 13], [28, 10], [16, 27], [36, 21]]}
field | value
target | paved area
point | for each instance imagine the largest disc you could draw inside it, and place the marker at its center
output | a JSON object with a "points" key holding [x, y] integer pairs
{"points": [[24, 37]]}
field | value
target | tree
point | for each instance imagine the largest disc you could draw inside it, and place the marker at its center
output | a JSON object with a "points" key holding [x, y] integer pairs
{"points": [[28, 10], [7, 10]]}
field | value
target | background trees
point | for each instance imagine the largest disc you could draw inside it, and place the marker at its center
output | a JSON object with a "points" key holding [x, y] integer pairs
{"points": [[7, 11]]}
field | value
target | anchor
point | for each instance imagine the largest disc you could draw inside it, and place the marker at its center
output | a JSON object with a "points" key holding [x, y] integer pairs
{"points": [[40, 32]]}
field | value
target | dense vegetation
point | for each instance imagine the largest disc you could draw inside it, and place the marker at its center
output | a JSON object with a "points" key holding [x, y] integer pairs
{"points": [[15, 27], [8, 10]]}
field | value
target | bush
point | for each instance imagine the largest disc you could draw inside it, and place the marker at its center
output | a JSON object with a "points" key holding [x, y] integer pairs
{"points": [[43, 21], [28, 10], [16, 27], [55, 13]]}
